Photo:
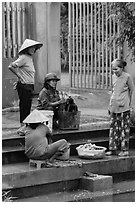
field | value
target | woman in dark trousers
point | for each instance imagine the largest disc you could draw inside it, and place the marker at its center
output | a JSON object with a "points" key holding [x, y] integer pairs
{"points": [[24, 69]]}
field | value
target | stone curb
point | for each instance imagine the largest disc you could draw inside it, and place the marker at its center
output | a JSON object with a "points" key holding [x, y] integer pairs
{"points": [[14, 109], [95, 125], [89, 126]]}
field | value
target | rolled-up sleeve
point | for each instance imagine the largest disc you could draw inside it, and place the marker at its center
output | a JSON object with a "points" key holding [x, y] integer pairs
{"points": [[43, 100], [20, 61]]}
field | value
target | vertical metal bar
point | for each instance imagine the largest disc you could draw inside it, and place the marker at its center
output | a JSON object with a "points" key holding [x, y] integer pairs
{"points": [[4, 29], [8, 28], [84, 27], [95, 48], [23, 21], [80, 21], [69, 46], [106, 47], [110, 50], [19, 24], [114, 42], [118, 30], [91, 50], [99, 4], [103, 44], [14, 29], [88, 79], [73, 47], [77, 58]]}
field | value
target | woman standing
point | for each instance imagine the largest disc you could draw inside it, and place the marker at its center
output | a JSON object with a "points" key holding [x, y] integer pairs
{"points": [[49, 98], [119, 108], [23, 68]]}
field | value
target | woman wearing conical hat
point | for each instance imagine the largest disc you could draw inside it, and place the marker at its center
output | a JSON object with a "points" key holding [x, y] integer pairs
{"points": [[24, 69], [38, 142]]}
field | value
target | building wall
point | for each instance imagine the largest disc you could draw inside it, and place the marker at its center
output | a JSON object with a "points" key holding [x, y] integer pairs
{"points": [[47, 29]]}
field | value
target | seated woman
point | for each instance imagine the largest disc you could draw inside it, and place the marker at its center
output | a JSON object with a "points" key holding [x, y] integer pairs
{"points": [[49, 98], [38, 142]]}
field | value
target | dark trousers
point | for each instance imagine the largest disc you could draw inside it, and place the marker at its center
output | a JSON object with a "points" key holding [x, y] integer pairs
{"points": [[25, 93]]}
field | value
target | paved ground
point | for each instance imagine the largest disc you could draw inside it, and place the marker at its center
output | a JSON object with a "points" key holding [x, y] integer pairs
{"points": [[93, 106]]}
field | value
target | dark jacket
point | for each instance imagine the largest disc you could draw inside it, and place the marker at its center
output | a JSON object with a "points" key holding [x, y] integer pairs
{"points": [[47, 96]]}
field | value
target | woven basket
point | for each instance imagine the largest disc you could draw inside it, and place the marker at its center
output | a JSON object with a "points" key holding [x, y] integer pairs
{"points": [[69, 120]]}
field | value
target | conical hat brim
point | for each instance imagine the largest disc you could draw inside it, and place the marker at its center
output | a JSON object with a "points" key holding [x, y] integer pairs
{"points": [[36, 117], [29, 43]]}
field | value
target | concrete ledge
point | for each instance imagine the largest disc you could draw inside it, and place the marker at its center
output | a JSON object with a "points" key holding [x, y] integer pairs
{"points": [[95, 126], [21, 175]]}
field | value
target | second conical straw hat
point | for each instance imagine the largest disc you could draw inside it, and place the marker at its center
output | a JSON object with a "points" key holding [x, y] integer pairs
{"points": [[36, 117]]}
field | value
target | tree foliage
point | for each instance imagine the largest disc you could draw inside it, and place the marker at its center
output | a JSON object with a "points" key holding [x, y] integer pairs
{"points": [[125, 13], [64, 35]]}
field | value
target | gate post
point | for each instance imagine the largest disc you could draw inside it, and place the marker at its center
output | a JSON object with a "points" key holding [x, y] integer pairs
{"points": [[46, 27]]}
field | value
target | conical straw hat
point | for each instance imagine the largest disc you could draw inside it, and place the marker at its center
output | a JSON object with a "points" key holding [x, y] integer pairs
{"points": [[36, 117], [29, 43]]}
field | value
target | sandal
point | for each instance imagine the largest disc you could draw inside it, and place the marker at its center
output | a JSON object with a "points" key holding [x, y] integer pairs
{"points": [[123, 153], [110, 153]]}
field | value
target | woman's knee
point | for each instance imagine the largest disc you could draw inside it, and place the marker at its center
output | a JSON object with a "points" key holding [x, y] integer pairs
{"points": [[63, 141]]}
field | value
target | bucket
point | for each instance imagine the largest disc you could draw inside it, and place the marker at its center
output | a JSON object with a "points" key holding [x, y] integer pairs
{"points": [[65, 156], [49, 114]]}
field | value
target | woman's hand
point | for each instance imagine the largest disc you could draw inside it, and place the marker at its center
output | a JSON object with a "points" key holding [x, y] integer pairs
{"points": [[62, 101], [12, 65], [15, 85], [19, 77], [58, 103]]}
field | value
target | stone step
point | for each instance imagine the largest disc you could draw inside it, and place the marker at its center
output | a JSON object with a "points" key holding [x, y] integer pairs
{"points": [[11, 138], [13, 145], [120, 189], [25, 181], [16, 154]]}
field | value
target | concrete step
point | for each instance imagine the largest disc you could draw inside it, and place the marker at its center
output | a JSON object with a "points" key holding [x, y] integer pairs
{"points": [[122, 189], [13, 145], [16, 154], [25, 181]]}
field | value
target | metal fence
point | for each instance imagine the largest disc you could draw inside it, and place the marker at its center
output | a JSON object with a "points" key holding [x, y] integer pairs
{"points": [[91, 27], [14, 27]]}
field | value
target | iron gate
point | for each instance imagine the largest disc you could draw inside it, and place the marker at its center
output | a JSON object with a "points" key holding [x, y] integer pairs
{"points": [[16, 27], [90, 28]]}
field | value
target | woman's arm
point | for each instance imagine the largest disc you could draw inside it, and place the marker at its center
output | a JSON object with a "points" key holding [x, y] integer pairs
{"points": [[13, 68], [45, 100], [131, 90]]}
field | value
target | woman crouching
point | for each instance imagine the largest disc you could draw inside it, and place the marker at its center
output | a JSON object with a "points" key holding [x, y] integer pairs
{"points": [[38, 142]]}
